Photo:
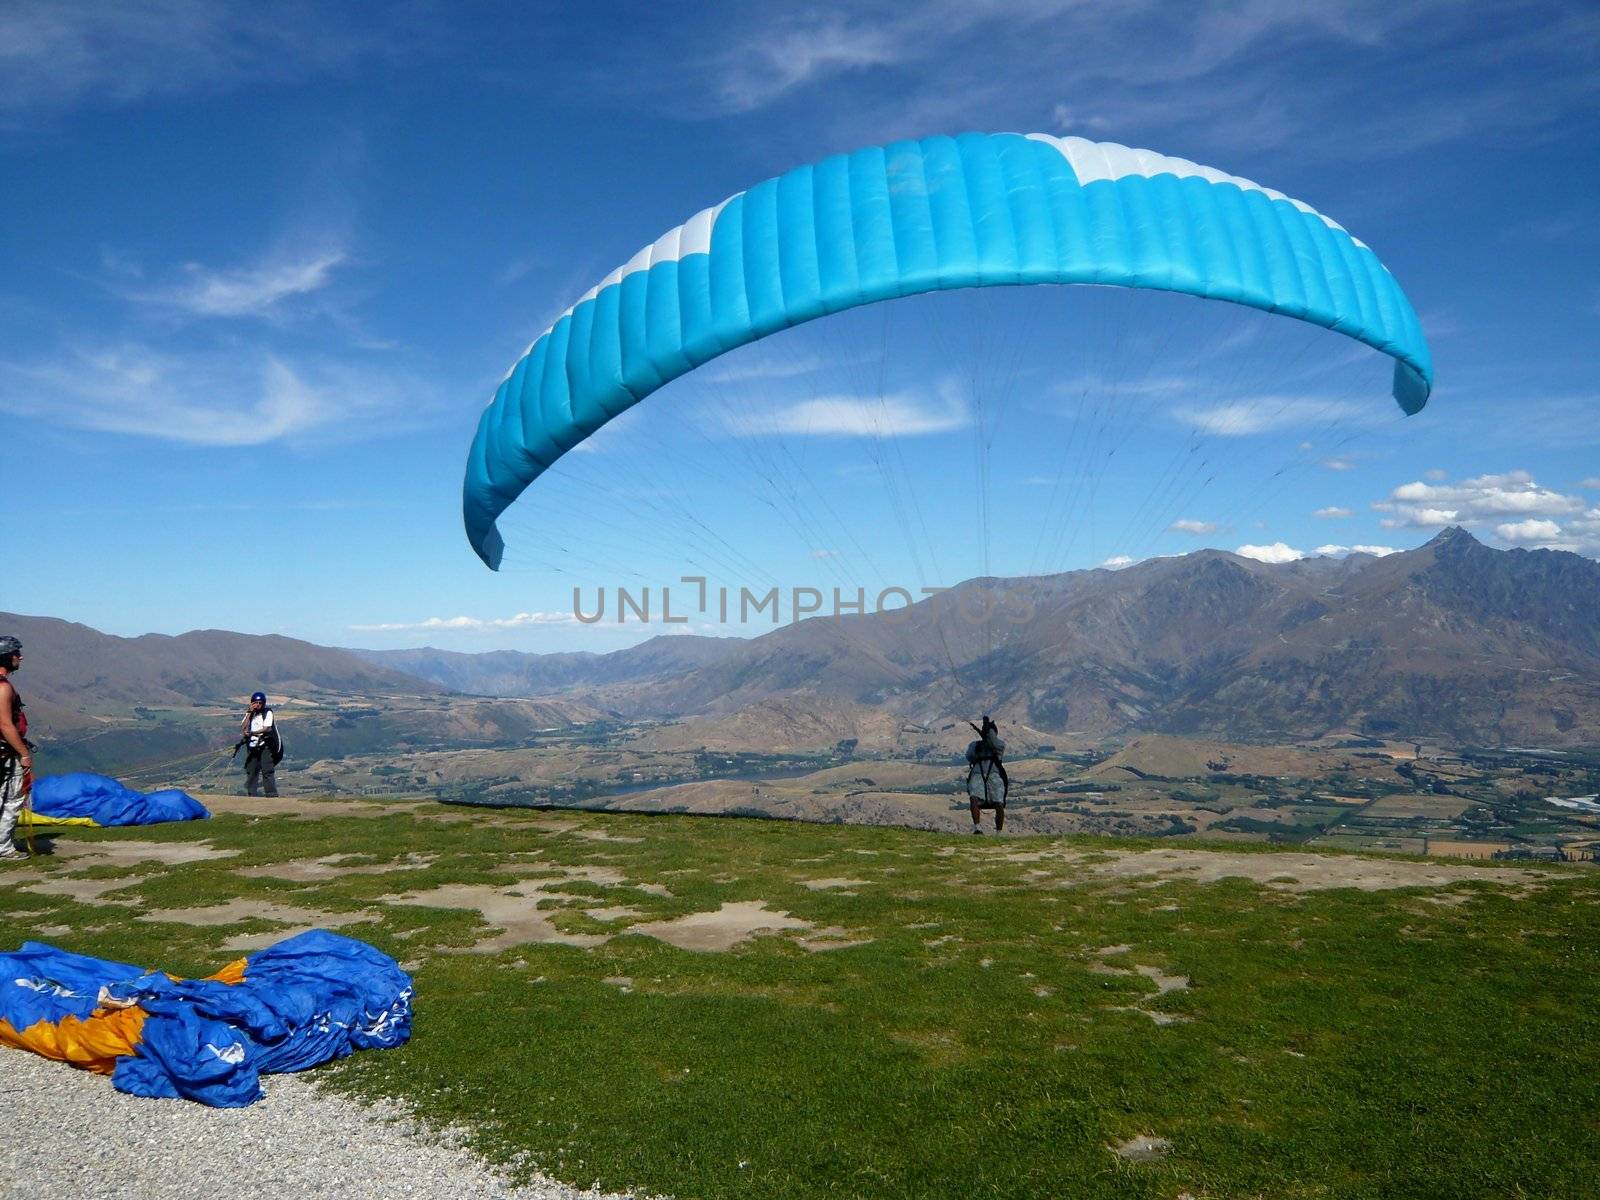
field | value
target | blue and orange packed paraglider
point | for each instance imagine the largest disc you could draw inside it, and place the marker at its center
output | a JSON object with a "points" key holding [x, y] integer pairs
{"points": [[306, 1000]]}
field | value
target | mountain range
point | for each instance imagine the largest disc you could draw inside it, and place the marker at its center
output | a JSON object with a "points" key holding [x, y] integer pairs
{"points": [[1453, 641]]}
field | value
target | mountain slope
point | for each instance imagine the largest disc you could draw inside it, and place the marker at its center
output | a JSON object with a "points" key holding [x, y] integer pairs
{"points": [[74, 668], [510, 673], [1453, 640]]}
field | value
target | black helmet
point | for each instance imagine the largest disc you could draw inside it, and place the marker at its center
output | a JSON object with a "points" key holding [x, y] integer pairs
{"points": [[9, 646], [255, 696]]}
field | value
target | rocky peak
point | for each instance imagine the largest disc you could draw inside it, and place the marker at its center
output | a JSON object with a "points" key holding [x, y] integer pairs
{"points": [[1454, 540]]}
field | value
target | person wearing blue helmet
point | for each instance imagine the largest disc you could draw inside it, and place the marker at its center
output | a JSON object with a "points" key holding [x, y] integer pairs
{"points": [[258, 734]]}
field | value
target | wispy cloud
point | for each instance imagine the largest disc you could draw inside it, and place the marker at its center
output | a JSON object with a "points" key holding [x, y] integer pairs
{"points": [[58, 54], [1341, 551], [752, 74], [208, 399], [1257, 78], [253, 290], [522, 620], [902, 415], [1333, 513], [1265, 414], [747, 368], [1198, 528]]}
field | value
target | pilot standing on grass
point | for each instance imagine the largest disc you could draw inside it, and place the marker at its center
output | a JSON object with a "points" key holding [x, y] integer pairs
{"points": [[988, 785], [257, 733], [16, 752]]}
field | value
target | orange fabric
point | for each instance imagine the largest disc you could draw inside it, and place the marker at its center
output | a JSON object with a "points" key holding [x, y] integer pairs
{"points": [[93, 1043], [232, 973], [96, 1042]]}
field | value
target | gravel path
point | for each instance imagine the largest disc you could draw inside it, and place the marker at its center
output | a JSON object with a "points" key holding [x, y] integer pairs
{"points": [[67, 1133]]}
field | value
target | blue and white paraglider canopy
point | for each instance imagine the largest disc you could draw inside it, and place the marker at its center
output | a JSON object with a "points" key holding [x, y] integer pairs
{"points": [[976, 210]]}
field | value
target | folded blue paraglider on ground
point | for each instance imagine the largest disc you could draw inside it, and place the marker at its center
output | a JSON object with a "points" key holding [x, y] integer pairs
{"points": [[82, 797], [311, 998]]}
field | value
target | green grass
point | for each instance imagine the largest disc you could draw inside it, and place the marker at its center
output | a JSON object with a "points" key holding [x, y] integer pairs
{"points": [[1338, 1043]]}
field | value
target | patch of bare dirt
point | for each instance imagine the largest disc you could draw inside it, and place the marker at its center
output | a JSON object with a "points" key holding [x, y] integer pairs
{"points": [[119, 854], [1156, 1015], [820, 885], [616, 912], [334, 866], [1282, 872], [1143, 1149], [514, 911], [236, 911], [309, 808], [831, 938], [600, 835], [734, 922], [588, 872], [1164, 983], [85, 891]]}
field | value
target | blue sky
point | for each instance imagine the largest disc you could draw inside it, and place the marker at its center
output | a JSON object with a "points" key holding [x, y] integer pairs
{"points": [[263, 265]]}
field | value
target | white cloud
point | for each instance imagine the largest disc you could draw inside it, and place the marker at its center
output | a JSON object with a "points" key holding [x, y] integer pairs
{"points": [[1582, 533], [1341, 551], [206, 399], [1592, 484], [1436, 475], [1420, 518], [1264, 414], [1477, 501], [902, 415], [1198, 528], [1513, 504], [523, 620], [250, 291], [1531, 530], [1277, 552], [1338, 464], [749, 369], [1068, 120], [1117, 562], [1333, 513]]}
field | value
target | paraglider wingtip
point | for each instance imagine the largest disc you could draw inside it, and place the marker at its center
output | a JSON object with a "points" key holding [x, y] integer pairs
{"points": [[1411, 388], [491, 549]]}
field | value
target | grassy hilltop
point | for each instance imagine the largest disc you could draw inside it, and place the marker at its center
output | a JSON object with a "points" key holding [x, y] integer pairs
{"points": [[716, 1007]]}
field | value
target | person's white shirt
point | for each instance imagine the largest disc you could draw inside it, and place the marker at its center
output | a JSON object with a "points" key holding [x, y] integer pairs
{"points": [[259, 724]]}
